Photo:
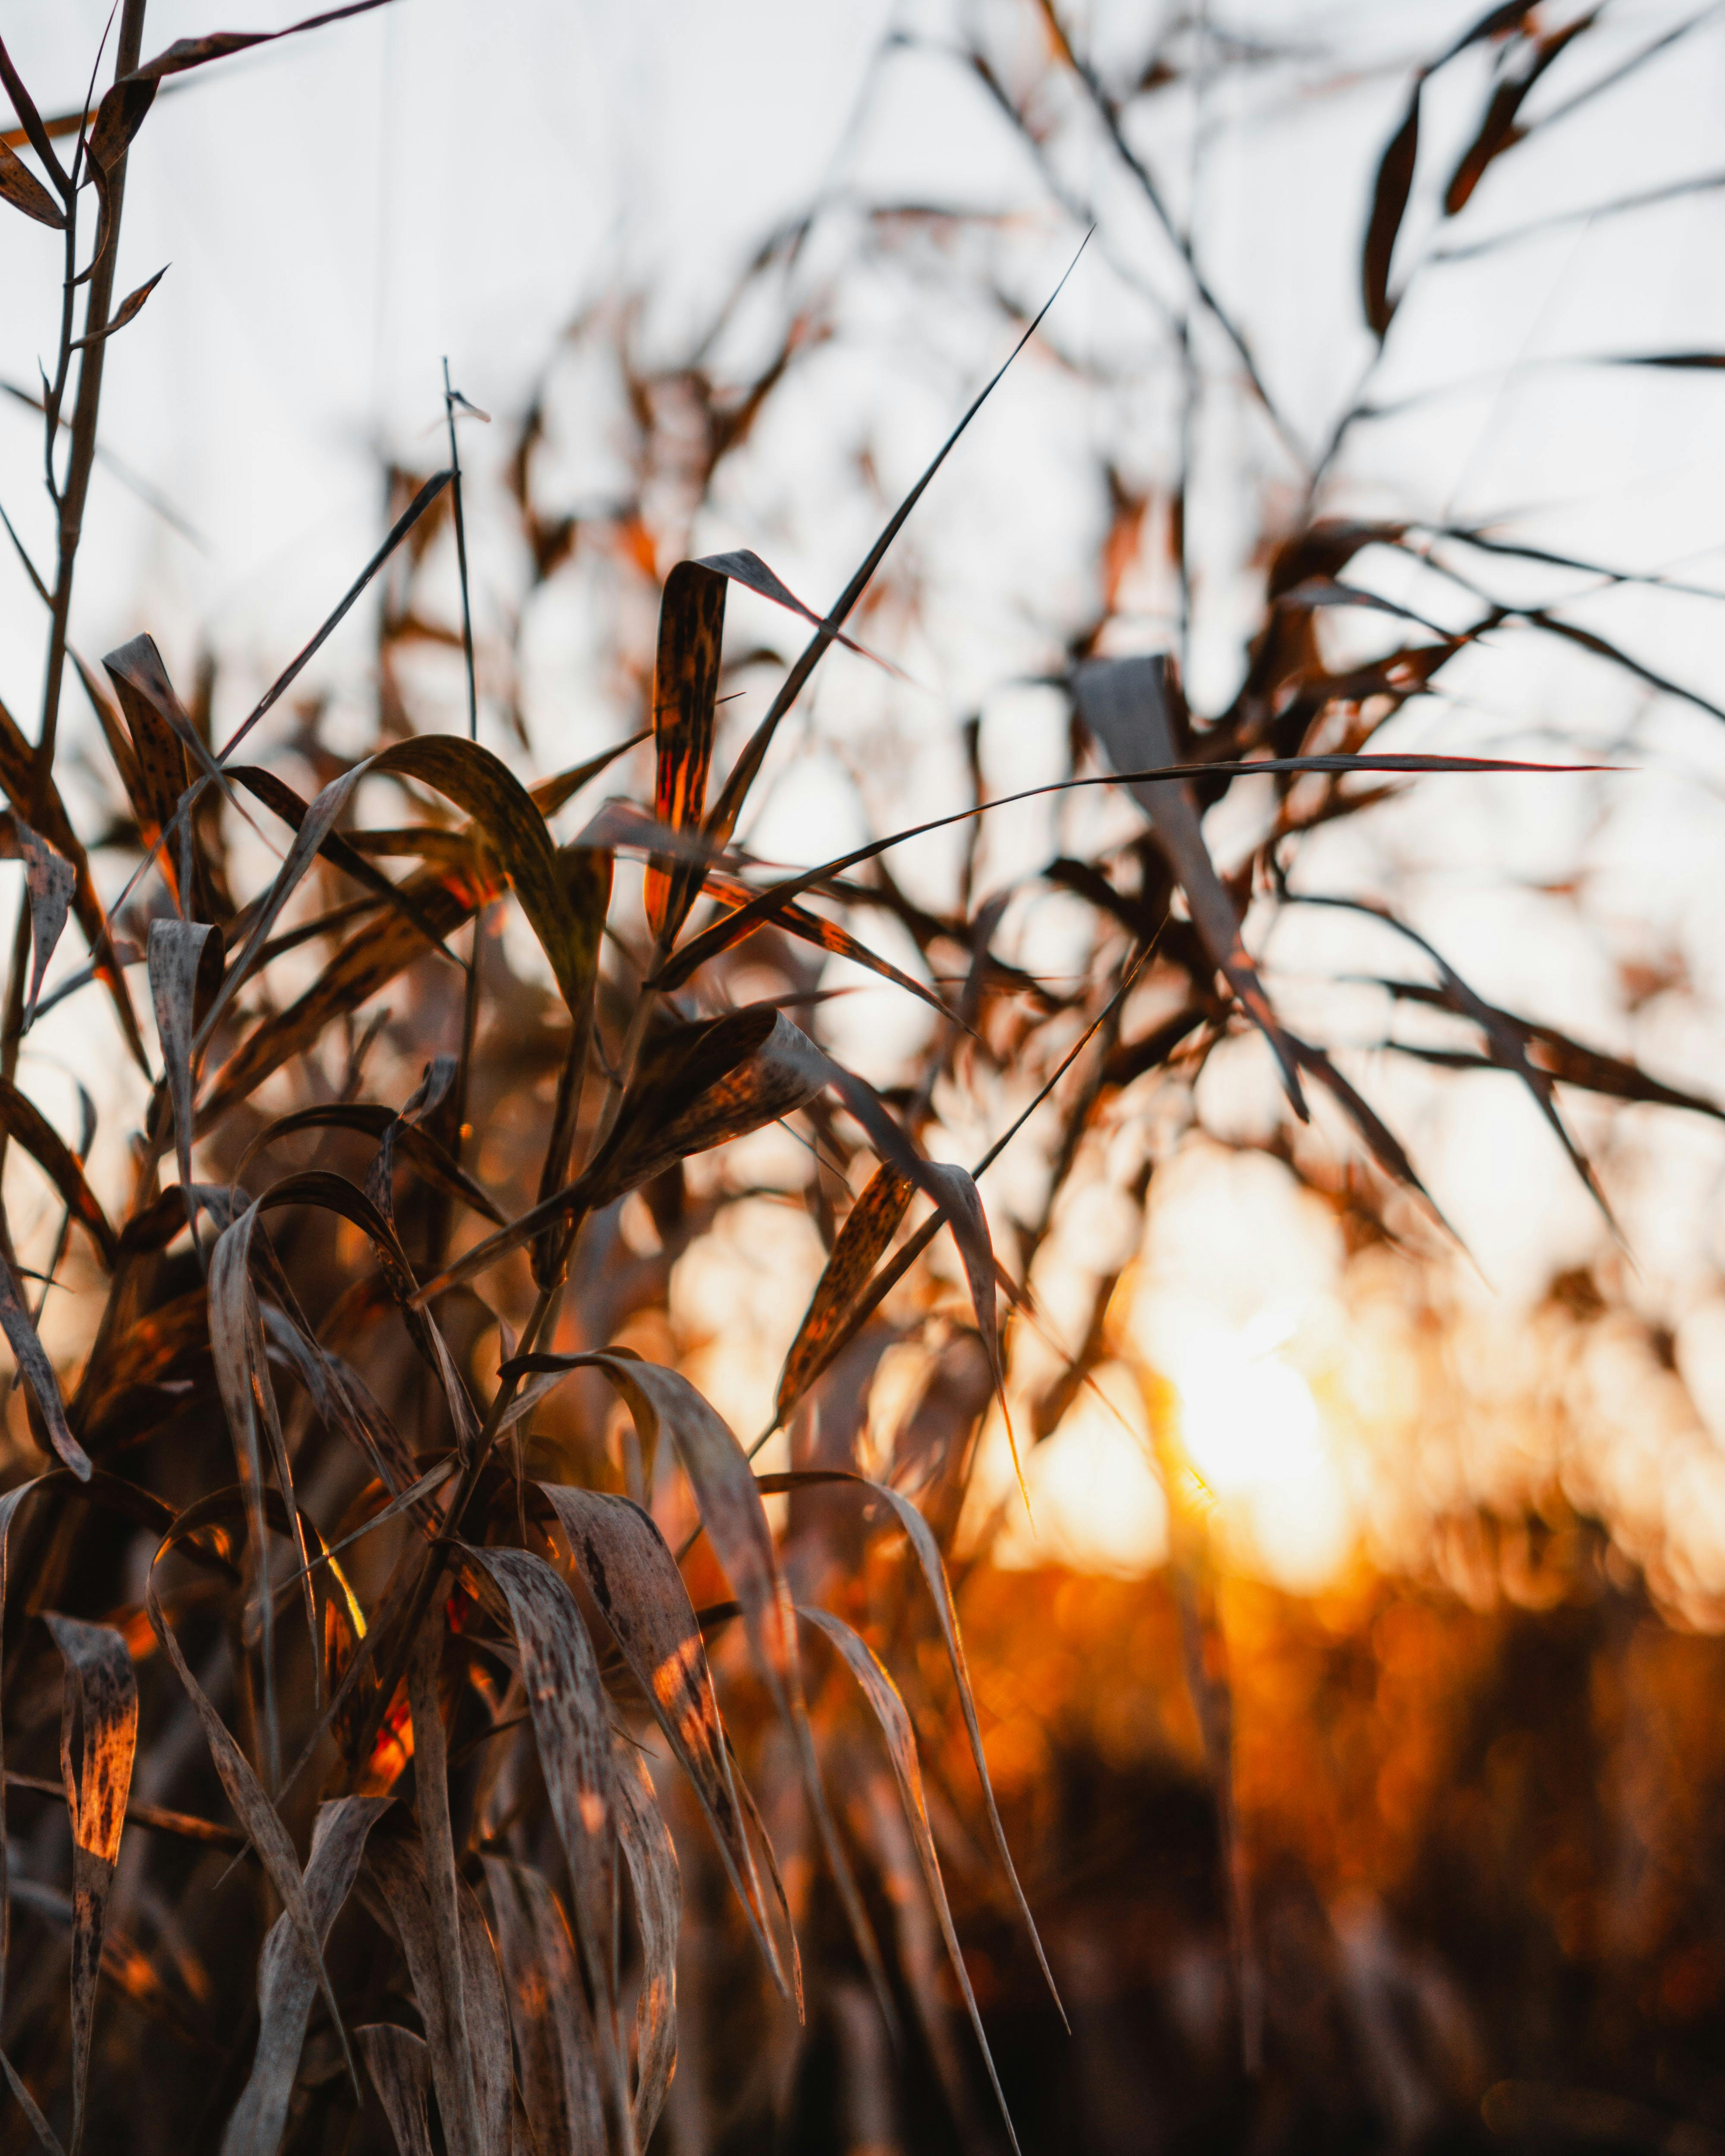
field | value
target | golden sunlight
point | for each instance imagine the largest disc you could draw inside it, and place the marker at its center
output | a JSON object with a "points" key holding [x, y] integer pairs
{"points": [[1252, 1431]]}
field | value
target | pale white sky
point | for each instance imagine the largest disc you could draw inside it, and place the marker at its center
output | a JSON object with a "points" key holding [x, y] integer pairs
{"points": [[341, 211]]}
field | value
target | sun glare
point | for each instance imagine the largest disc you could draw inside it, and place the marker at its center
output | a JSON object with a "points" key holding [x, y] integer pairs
{"points": [[1252, 1430]]}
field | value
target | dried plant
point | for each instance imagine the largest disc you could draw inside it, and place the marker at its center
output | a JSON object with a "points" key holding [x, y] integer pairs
{"points": [[391, 1575]]}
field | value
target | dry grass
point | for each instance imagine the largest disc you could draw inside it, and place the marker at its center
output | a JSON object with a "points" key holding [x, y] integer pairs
{"points": [[428, 1655]]}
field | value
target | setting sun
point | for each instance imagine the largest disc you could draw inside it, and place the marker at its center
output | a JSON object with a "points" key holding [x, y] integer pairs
{"points": [[1251, 1430]]}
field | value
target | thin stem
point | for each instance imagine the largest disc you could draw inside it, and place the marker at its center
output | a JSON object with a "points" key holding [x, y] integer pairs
{"points": [[70, 500]]}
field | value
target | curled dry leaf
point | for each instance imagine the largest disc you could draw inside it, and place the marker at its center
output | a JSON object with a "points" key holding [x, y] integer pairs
{"points": [[652, 1861], [399, 2064], [572, 1729], [18, 782], [128, 309], [554, 2038], [101, 1689], [287, 1981], [634, 1578], [728, 1498], [468, 2033]]}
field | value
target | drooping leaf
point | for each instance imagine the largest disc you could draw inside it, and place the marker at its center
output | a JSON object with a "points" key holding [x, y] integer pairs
{"points": [[185, 978], [729, 1501], [514, 830], [32, 1358], [287, 1981], [100, 1688], [52, 883], [17, 781], [554, 2038], [24, 1122], [882, 1695], [634, 1578], [1124, 704], [372, 1120], [1385, 1148], [745, 567], [121, 111], [572, 1730], [443, 1887], [399, 2064], [31, 128], [470, 2071], [652, 1861], [251, 1804], [926, 1552], [1507, 1045]]}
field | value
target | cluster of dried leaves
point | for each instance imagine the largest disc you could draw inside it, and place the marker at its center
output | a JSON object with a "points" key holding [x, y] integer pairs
{"points": [[379, 1632]]}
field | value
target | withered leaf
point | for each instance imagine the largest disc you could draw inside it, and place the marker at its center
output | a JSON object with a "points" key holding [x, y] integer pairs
{"points": [[17, 781], [185, 978], [23, 1120], [121, 111], [287, 1981], [882, 1695], [1124, 703], [686, 682], [20, 186], [251, 1804], [52, 883], [472, 2083], [633, 1576], [101, 1689], [128, 309], [1390, 203], [927, 1551], [572, 1729], [869, 1227], [652, 1861], [34, 1366], [554, 2038], [399, 2064]]}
